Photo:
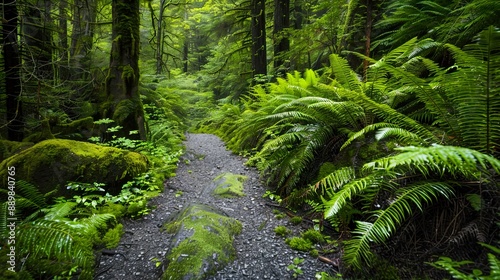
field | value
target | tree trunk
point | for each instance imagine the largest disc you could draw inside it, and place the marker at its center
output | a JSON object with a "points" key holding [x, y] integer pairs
{"points": [[368, 31], [63, 40], [159, 39], [258, 30], [125, 106], [281, 42], [11, 69], [82, 37], [38, 37]]}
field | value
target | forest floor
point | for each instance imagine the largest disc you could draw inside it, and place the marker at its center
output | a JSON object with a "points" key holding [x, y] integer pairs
{"points": [[261, 254]]}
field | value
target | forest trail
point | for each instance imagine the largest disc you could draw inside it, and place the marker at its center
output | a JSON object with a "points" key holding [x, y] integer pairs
{"points": [[261, 254]]}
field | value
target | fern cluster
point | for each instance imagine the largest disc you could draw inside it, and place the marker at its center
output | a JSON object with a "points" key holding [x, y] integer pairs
{"points": [[51, 234], [439, 125]]}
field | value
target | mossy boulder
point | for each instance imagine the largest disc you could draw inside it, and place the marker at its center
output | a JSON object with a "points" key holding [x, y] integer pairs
{"points": [[202, 245], [9, 148], [50, 164], [229, 185]]}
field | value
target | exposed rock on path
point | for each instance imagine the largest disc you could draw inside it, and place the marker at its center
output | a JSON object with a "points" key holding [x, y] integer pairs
{"points": [[260, 253]]}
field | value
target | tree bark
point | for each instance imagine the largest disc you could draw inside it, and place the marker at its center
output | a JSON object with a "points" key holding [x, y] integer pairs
{"points": [[125, 106], [38, 37], [82, 36], [159, 39], [11, 69], [281, 42], [368, 31], [258, 30], [63, 40]]}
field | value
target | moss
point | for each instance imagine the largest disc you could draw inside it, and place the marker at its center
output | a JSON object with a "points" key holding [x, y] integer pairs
{"points": [[229, 185], [9, 148], [296, 220], [313, 235], [128, 73], [52, 163], [203, 244], [281, 230], [299, 243], [76, 126], [118, 210], [314, 253], [112, 238], [134, 208], [123, 109]]}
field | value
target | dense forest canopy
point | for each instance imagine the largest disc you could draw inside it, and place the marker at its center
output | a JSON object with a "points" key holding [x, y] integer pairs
{"points": [[380, 119]]}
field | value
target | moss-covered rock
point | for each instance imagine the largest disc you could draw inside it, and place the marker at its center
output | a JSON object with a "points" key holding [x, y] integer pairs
{"points": [[229, 185], [203, 243], [50, 164], [9, 148]]}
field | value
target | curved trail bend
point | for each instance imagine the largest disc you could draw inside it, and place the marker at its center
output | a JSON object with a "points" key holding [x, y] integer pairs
{"points": [[261, 254]]}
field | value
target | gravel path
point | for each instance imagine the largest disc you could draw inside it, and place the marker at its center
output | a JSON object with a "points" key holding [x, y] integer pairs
{"points": [[261, 254]]}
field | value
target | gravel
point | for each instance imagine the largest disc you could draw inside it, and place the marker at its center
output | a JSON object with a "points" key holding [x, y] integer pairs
{"points": [[261, 253]]}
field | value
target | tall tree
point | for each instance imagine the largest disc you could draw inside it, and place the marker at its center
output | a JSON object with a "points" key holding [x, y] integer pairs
{"points": [[37, 34], [11, 70], [258, 30], [84, 15], [124, 103], [281, 42]]}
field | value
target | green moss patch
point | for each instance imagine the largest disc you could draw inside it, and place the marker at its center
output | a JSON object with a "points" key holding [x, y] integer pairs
{"points": [[9, 148], [50, 164], [203, 243], [229, 185]]}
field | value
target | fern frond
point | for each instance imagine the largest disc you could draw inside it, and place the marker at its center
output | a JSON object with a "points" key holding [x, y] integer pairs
{"points": [[390, 115], [438, 159], [365, 130], [351, 189], [357, 251], [475, 89], [335, 180], [34, 198], [59, 210], [399, 133], [51, 239], [344, 74]]}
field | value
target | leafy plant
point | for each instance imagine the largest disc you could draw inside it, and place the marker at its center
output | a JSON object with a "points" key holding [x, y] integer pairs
{"points": [[437, 168], [295, 268], [48, 234], [454, 267]]}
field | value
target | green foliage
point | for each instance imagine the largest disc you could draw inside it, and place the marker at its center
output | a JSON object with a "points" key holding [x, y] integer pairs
{"points": [[281, 230], [313, 235], [299, 243], [454, 268], [112, 237], [295, 268], [296, 220], [49, 234], [438, 168]]}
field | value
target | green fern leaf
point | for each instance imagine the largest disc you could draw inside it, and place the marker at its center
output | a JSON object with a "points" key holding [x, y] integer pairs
{"points": [[386, 221]]}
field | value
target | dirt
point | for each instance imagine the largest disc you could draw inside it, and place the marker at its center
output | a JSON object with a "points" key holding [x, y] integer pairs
{"points": [[261, 254]]}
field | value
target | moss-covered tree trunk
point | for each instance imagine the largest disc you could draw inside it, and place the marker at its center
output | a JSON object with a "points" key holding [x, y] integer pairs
{"points": [[124, 103]]}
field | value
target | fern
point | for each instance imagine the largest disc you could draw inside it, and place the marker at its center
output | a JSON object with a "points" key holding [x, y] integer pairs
{"points": [[53, 240], [474, 88], [386, 221], [435, 164]]}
